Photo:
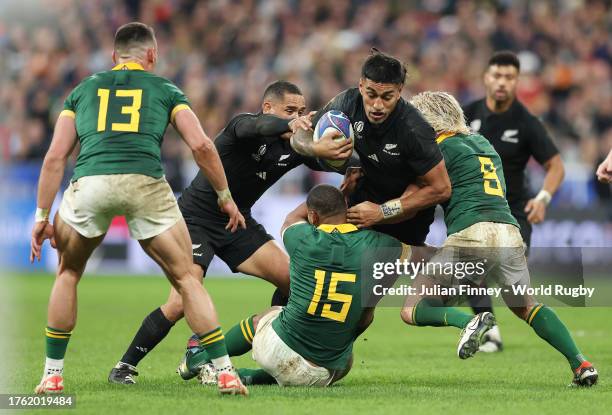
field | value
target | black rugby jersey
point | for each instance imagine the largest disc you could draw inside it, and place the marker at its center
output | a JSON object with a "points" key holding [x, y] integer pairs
{"points": [[516, 135], [254, 157], [392, 154]]}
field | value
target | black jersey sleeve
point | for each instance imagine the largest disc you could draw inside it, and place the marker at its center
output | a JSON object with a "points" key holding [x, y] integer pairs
{"points": [[251, 126], [541, 144], [421, 148], [341, 102]]}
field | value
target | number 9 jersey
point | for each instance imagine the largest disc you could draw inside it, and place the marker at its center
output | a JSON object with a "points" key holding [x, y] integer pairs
{"points": [[477, 180], [331, 281], [121, 116]]}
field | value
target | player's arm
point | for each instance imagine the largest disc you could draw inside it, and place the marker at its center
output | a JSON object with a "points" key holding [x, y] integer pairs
{"points": [[555, 172], [434, 188], [297, 215], [268, 125], [545, 152], [207, 158], [604, 170], [325, 148], [51, 174]]}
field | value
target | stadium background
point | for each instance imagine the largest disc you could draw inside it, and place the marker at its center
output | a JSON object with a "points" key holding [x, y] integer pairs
{"points": [[222, 54]]}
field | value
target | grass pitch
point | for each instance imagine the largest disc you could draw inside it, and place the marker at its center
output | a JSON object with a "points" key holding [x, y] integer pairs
{"points": [[398, 369]]}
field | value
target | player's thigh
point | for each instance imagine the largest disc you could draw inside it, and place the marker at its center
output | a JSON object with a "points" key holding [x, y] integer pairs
{"points": [[269, 262], [89, 205], [73, 248], [283, 363], [171, 250], [152, 208]]}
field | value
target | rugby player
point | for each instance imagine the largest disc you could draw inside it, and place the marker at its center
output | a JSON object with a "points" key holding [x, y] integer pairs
{"points": [[481, 229], [255, 152], [310, 341], [517, 136], [396, 148], [119, 118]]}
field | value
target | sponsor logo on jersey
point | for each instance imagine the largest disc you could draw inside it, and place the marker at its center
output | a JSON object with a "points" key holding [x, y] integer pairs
{"points": [[373, 157], [358, 126], [260, 152], [475, 125], [261, 175], [509, 136]]}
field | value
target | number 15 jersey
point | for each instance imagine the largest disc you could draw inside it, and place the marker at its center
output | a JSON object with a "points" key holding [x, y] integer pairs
{"points": [[330, 278], [121, 116]]}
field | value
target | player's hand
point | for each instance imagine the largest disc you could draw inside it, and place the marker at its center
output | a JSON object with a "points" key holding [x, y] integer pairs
{"points": [[236, 220], [40, 232], [365, 214], [351, 177], [304, 122], [328, 149], [536, 211], [604, 171]]}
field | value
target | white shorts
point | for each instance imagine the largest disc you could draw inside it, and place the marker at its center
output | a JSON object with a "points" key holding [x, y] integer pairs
{"points": [[280, 361], [148, 204], [496, 248]]}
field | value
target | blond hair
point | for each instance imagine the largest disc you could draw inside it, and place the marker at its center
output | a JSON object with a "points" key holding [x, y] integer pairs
{"points": [[442, 111]]}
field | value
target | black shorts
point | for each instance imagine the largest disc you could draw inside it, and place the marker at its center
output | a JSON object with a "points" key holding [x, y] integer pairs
{"points": [[412, 231], [209, 238]]}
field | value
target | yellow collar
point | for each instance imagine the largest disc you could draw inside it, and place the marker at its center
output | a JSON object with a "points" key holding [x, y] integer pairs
{"points": [[444, 136], [342, 228], [133, 66]]}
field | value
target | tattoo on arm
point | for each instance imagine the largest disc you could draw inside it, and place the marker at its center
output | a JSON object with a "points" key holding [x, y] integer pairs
{"points": [[302, 143]]}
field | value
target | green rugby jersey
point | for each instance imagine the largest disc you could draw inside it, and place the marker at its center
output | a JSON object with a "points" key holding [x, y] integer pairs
{"points": [[477, 180], [321, 319], [121, 116]]}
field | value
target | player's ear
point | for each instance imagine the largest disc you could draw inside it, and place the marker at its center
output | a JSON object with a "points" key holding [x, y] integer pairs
{"points": [[114, 56], [266, 107], [151, 56]]}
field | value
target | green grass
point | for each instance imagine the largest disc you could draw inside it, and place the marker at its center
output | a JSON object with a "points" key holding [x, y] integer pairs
{"points": [[398, 369]]}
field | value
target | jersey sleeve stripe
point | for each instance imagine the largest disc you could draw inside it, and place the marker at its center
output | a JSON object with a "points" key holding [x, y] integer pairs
{"points": [[406, 252], [176, 109], [68, 113]]}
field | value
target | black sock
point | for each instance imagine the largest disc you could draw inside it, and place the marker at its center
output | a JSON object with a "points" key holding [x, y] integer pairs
{"points": [[153, 329], [481, 303], [278, 298]]}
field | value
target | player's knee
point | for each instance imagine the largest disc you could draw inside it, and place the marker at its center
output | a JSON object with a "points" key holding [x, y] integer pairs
{"points": [[406, 315], [173, 310]]}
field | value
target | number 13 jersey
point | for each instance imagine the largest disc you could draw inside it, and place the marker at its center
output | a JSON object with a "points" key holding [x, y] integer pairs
{"points": [[121, 116]]}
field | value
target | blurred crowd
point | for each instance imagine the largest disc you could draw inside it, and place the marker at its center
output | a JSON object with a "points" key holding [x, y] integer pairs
{"points": [[222, 53]]}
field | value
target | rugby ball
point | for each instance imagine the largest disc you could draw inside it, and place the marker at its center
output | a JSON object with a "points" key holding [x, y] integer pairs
{"points": [[335, 120]]}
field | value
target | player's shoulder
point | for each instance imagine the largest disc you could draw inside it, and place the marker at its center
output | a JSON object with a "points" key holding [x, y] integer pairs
{"points": [[412, 124], [346, 99], [473, 106]]}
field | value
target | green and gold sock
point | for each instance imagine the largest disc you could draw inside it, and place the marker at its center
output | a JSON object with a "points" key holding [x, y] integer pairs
{"points": [[549, 327], [56, 342], [213, 343], [256, 377], [432, 312], [239, 338]]}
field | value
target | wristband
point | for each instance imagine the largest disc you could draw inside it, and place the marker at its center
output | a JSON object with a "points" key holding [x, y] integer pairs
{"points": [[223, 196], [391, 209], [41, 215], [544, 196]]}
